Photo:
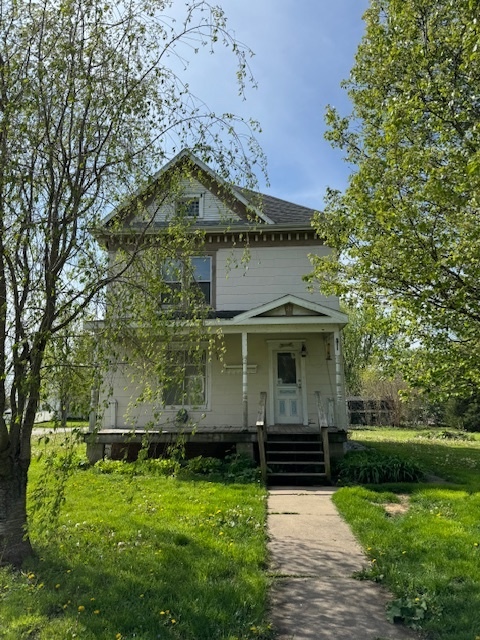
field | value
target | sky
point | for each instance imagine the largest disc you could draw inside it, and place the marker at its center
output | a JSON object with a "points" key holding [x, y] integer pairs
{"points": [[303, 50]]}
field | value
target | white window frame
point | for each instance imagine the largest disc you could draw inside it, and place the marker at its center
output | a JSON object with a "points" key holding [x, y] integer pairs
{"points": [[206, 385], [188, 199], [183, 281]]}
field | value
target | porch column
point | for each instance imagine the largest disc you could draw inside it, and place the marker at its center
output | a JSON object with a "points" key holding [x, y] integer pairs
{"points": [[245, 379], [340, 400]]}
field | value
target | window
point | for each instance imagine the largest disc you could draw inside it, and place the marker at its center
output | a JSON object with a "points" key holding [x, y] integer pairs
{"points": [[186, 375], [180, 275], [190, 206]]}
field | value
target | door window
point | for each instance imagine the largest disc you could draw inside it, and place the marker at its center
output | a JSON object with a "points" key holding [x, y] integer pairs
{"points": [[286, 368]]}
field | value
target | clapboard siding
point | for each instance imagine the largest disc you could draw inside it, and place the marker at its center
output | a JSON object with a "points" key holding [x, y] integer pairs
{"points": [[225, 388], [213, 209], [269, 274]]}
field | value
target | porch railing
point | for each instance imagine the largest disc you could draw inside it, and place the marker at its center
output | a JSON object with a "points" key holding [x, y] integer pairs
{"points": [[323, 426], [261, 433]]}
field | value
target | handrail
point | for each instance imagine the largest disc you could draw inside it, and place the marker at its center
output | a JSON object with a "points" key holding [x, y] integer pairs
{"points": [[323, 425], [261, 428]]}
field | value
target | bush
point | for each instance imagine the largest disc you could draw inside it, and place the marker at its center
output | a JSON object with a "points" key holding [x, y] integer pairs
{"points": [[204, 465], [160, 466], [372, 467], [241, 468]]}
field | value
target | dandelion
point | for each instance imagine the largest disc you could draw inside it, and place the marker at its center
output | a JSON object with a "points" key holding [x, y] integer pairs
{"points": [[162, 613], [96, 612], [57, 586], [81, 608], [92, 599], [173, 621]]}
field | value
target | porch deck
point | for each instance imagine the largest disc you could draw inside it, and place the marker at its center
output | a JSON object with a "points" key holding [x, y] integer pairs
{"points": [[100, 443], [200, 434]]}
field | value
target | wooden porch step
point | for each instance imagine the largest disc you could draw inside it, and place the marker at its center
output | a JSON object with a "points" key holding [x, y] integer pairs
{"points": [[298, 462], [313, 474]]}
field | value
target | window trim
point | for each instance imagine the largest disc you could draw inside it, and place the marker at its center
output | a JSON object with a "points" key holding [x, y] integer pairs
{"points": [[184, 280], [205, 406], [186, 200]]}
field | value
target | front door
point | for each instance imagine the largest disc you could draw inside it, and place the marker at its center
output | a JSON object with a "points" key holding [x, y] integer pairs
{"points": [[287, 388]]}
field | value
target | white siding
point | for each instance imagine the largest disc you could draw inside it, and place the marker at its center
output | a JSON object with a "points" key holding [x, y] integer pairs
{"points": [[212, 208], [271, 273], [225, 389]]}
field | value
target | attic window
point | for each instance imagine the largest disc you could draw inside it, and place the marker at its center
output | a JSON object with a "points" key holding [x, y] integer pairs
{"points": [[190, 207]]}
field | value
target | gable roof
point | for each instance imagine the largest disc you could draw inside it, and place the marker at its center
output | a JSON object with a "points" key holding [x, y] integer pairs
{"points": [[307, 312], [265, 208]]}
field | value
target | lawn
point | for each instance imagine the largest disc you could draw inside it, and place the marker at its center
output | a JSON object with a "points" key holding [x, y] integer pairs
{"points": [[423, 540], [142, 556]]}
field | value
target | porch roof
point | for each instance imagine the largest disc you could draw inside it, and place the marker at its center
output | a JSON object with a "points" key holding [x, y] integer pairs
{"points": [[287, 311]]}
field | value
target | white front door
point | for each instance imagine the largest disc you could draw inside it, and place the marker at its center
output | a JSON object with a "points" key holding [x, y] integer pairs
{"points": [[287, 387]]}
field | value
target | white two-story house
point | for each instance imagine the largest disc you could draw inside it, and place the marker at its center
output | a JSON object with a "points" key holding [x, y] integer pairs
{"points": [[282, 348]]}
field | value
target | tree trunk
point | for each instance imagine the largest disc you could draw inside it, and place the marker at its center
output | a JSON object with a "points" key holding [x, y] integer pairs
{"points": [[14, 543]]}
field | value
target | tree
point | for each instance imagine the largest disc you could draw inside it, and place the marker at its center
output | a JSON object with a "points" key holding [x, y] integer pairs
{"points": [[68, 374], [90, 103], [405, 231]]}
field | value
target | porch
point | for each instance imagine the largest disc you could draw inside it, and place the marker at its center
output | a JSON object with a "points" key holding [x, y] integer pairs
{"points": [[298, 445]]}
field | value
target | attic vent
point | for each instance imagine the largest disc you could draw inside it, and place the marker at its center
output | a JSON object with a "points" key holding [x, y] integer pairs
{"points": [[289, 309]]}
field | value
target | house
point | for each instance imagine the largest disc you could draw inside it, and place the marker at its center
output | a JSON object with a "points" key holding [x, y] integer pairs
{"points": [[282, 363]]}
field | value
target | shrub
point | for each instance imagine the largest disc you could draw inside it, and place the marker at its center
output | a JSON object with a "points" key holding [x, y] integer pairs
{"points": [[372, 467], [160, 466], [204, 465], [241, 468]]}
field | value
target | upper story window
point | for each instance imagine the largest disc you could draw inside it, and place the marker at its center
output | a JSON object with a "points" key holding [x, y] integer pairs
{"points": [[179, 275], [190, 206]]}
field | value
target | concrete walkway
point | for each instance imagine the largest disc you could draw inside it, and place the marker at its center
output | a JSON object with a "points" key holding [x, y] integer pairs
{"points": [[313, 555]]}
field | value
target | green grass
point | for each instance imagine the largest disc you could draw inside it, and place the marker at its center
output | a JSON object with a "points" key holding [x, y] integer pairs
{"points": [[428, 555], [143, 557]]}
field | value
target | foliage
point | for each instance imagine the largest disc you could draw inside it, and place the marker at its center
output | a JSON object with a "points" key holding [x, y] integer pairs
{"points": [[464, 411], [241, 468], [371, 467], [161, 467], [453, 460], [412, 611], [203, 465], [405, 232], [446, 434], [58, 464], [91, 102], [235, 468], [427, 553], [365, 344], [185, 558], [68, 374]]}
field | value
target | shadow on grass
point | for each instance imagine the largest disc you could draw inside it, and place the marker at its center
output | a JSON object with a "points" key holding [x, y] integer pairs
{"points": [[170, 587]]}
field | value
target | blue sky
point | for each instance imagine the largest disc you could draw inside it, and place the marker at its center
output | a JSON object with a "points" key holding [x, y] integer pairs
{"points": [[303, 50]]}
